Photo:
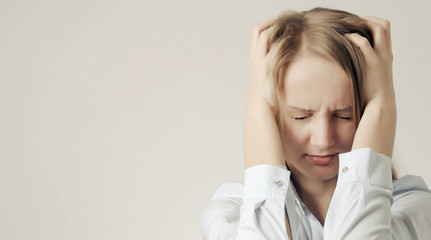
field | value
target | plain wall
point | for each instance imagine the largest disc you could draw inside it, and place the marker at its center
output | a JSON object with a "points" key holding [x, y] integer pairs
{"points": [[119, 119]]}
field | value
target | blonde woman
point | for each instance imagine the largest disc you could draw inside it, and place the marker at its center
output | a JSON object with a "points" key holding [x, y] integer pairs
{"points": [[318, 134]]}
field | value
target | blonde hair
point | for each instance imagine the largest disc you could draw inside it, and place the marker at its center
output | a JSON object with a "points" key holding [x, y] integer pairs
{"points": [[321, 31]]}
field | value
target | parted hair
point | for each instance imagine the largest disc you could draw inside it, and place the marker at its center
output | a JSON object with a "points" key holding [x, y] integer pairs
{"points": [[320, 31]]}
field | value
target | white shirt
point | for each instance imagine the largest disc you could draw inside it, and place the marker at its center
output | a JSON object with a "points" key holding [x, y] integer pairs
{"points": [[365, 205]]}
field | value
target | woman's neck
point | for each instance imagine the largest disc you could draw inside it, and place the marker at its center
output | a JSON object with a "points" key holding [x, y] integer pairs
{"points": [[315, 194]]}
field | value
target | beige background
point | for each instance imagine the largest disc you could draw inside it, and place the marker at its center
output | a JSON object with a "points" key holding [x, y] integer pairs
{"points": [[120, 118]]}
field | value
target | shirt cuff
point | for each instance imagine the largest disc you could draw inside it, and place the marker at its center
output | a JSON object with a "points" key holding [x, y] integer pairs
{"points": [[266, 182], [365, 166]]}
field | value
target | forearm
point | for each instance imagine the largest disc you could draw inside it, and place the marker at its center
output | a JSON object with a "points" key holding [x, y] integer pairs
{"points": [[262, 212], [255, 210], [377, 127], [361, 205], [262, 144]]}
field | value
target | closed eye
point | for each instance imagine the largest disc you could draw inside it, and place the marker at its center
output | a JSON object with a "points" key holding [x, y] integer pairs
{"points": [[303, 117], [345, 117], [345, 113]]}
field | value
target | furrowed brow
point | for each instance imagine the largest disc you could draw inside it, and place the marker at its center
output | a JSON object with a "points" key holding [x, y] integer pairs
{"points": [[347, 109], [297, 109]]}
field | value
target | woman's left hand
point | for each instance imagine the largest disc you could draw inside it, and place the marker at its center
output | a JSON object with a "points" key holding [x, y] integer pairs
{"points": [[377, 126], [378, 59]]}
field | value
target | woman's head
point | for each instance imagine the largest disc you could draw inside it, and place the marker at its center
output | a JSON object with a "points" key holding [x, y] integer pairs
{"points": [[320, 31], [318, 76]]}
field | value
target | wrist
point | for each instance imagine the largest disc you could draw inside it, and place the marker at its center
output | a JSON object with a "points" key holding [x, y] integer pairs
{"points": [[384, 104], [262, 143], [260, 96], [377, 126], [383, 97], [259, 103]]}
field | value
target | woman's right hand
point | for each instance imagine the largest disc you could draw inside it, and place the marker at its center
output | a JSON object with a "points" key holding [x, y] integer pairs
{"points": [[259, 85], [262, 144]]}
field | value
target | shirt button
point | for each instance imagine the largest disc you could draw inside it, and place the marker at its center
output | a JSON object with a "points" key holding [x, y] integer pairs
{"points": [[279, 183], [345, 169]]}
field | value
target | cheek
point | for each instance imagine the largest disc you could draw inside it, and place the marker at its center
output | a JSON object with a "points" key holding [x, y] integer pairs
{"points": [[293, 136]]}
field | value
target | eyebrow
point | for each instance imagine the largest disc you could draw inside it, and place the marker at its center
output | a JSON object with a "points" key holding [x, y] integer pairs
{"points": [[346, 109]]}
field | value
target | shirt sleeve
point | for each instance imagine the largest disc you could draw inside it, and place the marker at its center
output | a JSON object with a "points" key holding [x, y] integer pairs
{"points": [[411, 211], [361, 204], [254, 211]]}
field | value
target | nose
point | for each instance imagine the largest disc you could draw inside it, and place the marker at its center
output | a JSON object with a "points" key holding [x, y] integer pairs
{"points": [[322, 133]]}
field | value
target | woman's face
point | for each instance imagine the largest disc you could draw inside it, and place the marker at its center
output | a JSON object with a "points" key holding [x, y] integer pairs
{"points": [[317, 113]]}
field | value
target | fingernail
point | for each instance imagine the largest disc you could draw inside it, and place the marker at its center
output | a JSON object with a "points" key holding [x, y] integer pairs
{"points": [[348, 35]]}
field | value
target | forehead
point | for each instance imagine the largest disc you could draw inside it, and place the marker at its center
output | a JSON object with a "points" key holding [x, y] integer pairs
{"points": [[313, 81]]}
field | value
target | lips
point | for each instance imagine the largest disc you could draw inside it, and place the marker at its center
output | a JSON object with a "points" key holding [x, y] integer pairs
{"points": [[321, 159]]}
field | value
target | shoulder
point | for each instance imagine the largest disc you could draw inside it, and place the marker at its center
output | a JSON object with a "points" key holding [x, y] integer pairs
{"points": [[408, 184], [411, 212], [410, 193], [223, 211]]}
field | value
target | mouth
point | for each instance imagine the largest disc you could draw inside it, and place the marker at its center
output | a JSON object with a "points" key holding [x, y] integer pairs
{"points": [[322, 159]]}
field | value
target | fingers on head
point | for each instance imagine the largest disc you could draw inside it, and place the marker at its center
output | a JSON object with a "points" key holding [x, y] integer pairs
{"points": [[263, 43], [363, 44], [380, 21], [381, 29], [260, 38], [259, 28]]}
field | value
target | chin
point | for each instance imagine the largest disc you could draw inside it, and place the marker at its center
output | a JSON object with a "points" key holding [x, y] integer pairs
{"points": [[313, 172], [324, 173], [325, 177]]}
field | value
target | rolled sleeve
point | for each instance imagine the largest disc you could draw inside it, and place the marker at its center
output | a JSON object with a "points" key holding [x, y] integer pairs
{"points": [[266, 182], [263, 210], [365, 166], [361, 204]]}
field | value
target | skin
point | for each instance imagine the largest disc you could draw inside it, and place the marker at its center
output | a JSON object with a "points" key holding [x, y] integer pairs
{"points": [[318, 125], [322, 133]]}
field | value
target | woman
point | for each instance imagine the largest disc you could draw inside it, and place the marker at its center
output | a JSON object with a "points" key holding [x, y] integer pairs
{"points": [[319, 132]]}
